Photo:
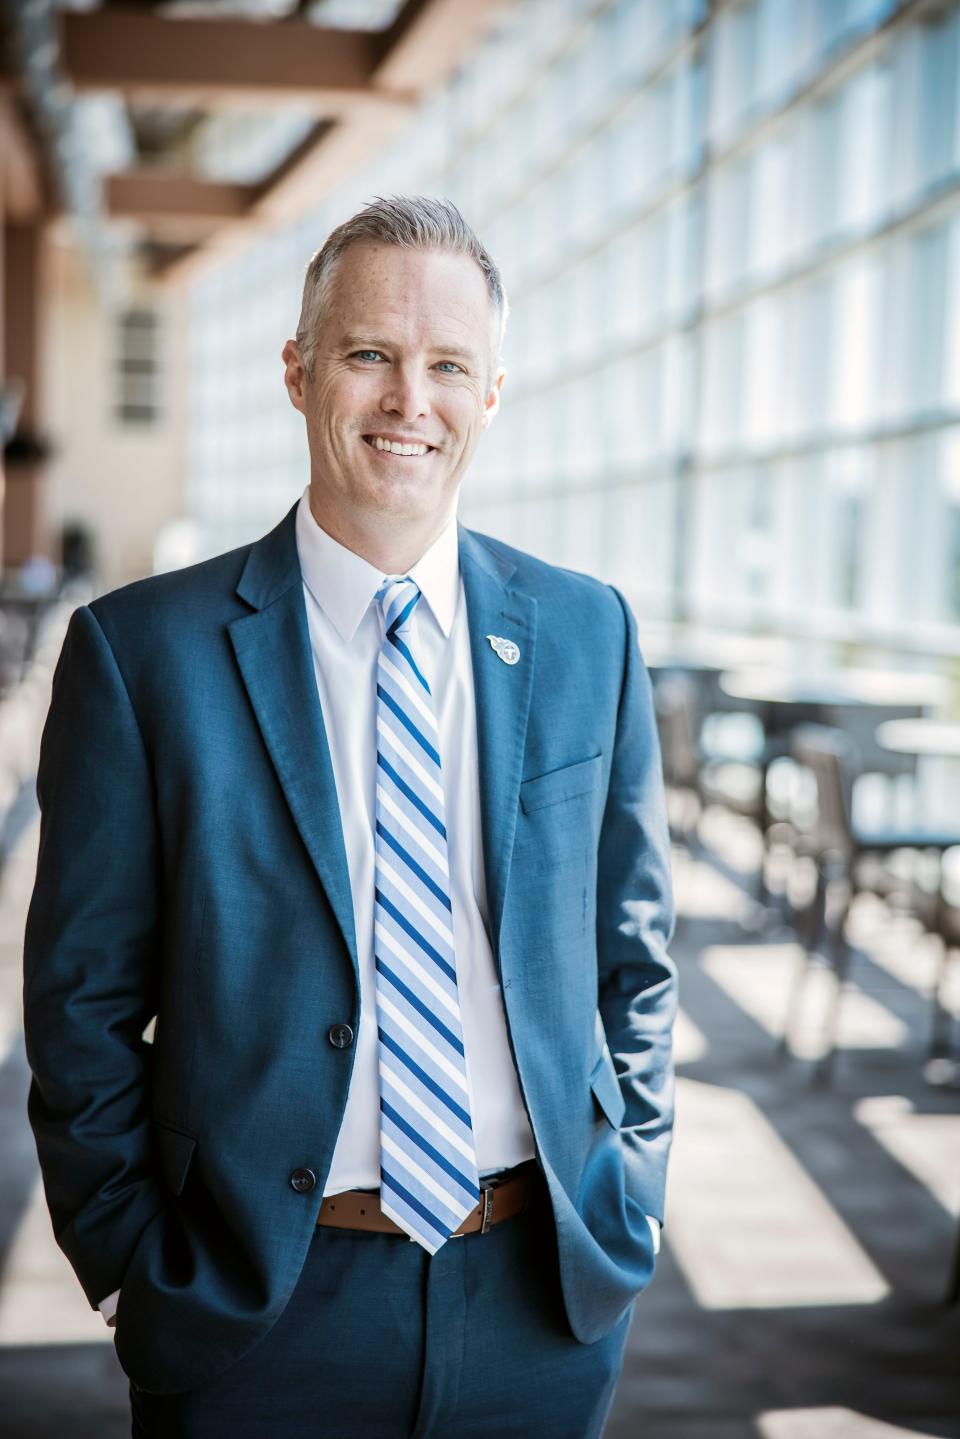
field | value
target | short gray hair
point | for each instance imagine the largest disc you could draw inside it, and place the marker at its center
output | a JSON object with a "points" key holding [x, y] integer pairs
{"points": [[412, 222]]}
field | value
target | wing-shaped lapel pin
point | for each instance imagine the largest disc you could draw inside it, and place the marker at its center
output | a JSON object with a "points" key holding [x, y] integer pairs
{"points": [[506, 649]]}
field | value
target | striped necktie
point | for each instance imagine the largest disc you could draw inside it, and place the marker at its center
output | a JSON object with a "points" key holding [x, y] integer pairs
{"points": [[428, 1167]]}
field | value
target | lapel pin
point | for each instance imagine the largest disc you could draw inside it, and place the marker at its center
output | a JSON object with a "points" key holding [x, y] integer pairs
{"points": [[506, 649]]}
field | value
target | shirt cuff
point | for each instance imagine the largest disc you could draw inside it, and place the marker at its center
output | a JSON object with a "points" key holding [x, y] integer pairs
{"points": [[655, 1231], [108, 1306]]}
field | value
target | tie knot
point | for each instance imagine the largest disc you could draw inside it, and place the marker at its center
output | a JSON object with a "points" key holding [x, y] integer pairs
{"points": [[397, 597]]}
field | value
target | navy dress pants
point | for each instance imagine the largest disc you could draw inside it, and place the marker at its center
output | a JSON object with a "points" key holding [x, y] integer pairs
{"points": [[381, 1340]]}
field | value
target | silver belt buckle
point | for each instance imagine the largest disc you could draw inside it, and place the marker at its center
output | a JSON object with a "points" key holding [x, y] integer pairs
{"points": [[486, 1195], [487, 1187]]}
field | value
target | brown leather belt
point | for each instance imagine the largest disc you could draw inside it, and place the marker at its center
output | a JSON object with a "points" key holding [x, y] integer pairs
{"points": [[501, 1196]]}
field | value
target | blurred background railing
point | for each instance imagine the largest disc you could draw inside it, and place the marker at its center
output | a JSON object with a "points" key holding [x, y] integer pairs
{"points": [[730, 233]]}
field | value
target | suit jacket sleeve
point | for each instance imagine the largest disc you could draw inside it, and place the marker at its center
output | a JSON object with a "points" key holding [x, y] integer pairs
{"points": [[635, 923], [91, 964]]}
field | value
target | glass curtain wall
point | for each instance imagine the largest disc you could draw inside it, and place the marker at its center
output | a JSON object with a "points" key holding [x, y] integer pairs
{"points": [[731, 240]]}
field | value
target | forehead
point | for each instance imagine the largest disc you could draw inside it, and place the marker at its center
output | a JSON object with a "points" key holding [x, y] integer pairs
{"points": [[423, 294]]}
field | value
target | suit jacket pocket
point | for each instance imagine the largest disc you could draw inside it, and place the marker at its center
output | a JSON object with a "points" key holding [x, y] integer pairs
{"points": [[176, 1151], [560, 784], [607, 1091]]}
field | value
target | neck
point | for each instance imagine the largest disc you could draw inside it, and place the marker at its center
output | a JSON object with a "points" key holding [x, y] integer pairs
{"points": [[388, 545]]}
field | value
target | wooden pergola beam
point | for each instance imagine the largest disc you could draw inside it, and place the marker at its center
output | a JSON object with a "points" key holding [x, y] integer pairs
{"points": [[24, 197], [428, 40], [153, 59], [175, 207], [426, 43]]}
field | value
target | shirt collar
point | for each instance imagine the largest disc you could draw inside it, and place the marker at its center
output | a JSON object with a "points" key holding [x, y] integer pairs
{"points": [[344, 584]]}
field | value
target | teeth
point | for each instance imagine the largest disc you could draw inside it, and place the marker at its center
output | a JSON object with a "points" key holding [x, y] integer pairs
{"points": [[395, 448]]}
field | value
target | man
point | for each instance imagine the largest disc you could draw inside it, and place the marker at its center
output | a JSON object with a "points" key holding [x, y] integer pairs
{"points": [[369, 815]]}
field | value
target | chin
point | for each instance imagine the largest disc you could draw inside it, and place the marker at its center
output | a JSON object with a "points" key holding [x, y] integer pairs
{"points": [[410, 496], [411, 514]]}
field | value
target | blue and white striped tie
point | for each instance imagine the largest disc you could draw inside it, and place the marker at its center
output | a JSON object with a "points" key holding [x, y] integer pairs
{"points": [[428, 1166]]}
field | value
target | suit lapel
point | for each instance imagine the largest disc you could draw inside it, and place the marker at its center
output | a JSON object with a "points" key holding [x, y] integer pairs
{"points": [[503, 694], [272, 647]]}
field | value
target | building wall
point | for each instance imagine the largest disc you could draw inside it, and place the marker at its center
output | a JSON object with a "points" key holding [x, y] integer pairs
{"points": [[123, 481], [731, 239]]}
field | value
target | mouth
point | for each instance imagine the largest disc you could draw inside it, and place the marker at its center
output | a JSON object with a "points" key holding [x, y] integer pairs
{"points": [[405, 449]]}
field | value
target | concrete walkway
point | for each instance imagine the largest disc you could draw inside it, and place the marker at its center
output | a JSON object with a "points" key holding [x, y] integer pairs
{"points": [[800, 1290]]}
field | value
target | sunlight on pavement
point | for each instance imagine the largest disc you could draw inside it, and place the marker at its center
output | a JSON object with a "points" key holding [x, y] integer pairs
{"points": [[689, 1042], [41, 1302], [40, 1299], [831, 1424], [927, 1145], [759, 978], [702, 892], [896, 943], [17, 882], [745, 1221]]}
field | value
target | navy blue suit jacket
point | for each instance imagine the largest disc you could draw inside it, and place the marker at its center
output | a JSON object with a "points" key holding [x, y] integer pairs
{"points": [[192, 867]]}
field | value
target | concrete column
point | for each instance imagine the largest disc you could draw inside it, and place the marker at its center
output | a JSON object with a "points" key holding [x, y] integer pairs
{"points": [[24, 530], [3, 372]]}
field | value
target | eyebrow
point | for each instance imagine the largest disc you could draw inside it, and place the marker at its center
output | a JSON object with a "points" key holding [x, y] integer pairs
{"points": [[376, 342]]}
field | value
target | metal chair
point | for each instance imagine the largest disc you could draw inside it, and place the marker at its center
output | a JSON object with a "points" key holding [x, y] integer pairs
{"points": [[710, 767], [948, 926], [837, 847]]}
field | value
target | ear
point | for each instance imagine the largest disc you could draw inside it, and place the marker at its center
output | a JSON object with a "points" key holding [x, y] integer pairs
{"points": [[492, 403], [295, 376]]}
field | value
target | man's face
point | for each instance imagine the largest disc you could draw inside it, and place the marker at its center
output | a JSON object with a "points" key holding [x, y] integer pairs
{"points": [[402, 357]]}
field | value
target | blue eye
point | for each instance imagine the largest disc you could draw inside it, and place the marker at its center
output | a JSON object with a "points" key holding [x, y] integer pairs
{"points": [[449, 367]]}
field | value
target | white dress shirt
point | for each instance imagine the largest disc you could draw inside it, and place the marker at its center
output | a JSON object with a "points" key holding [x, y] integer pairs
{"points": [[346, 631]]}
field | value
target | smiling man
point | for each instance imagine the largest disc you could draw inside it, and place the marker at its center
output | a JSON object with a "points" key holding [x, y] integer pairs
{"points": [[395, 368], [369, 815]]}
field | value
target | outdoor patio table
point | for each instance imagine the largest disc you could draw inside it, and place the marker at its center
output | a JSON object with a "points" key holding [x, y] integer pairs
{"points": [[928, 738]]}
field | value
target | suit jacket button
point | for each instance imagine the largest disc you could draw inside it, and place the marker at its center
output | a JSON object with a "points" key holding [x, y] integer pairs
{"points": [[340, 1035], [303, 1180]]}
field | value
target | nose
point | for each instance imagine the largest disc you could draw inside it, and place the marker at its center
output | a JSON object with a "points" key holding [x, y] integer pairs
{"points": [[405, 394]]}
